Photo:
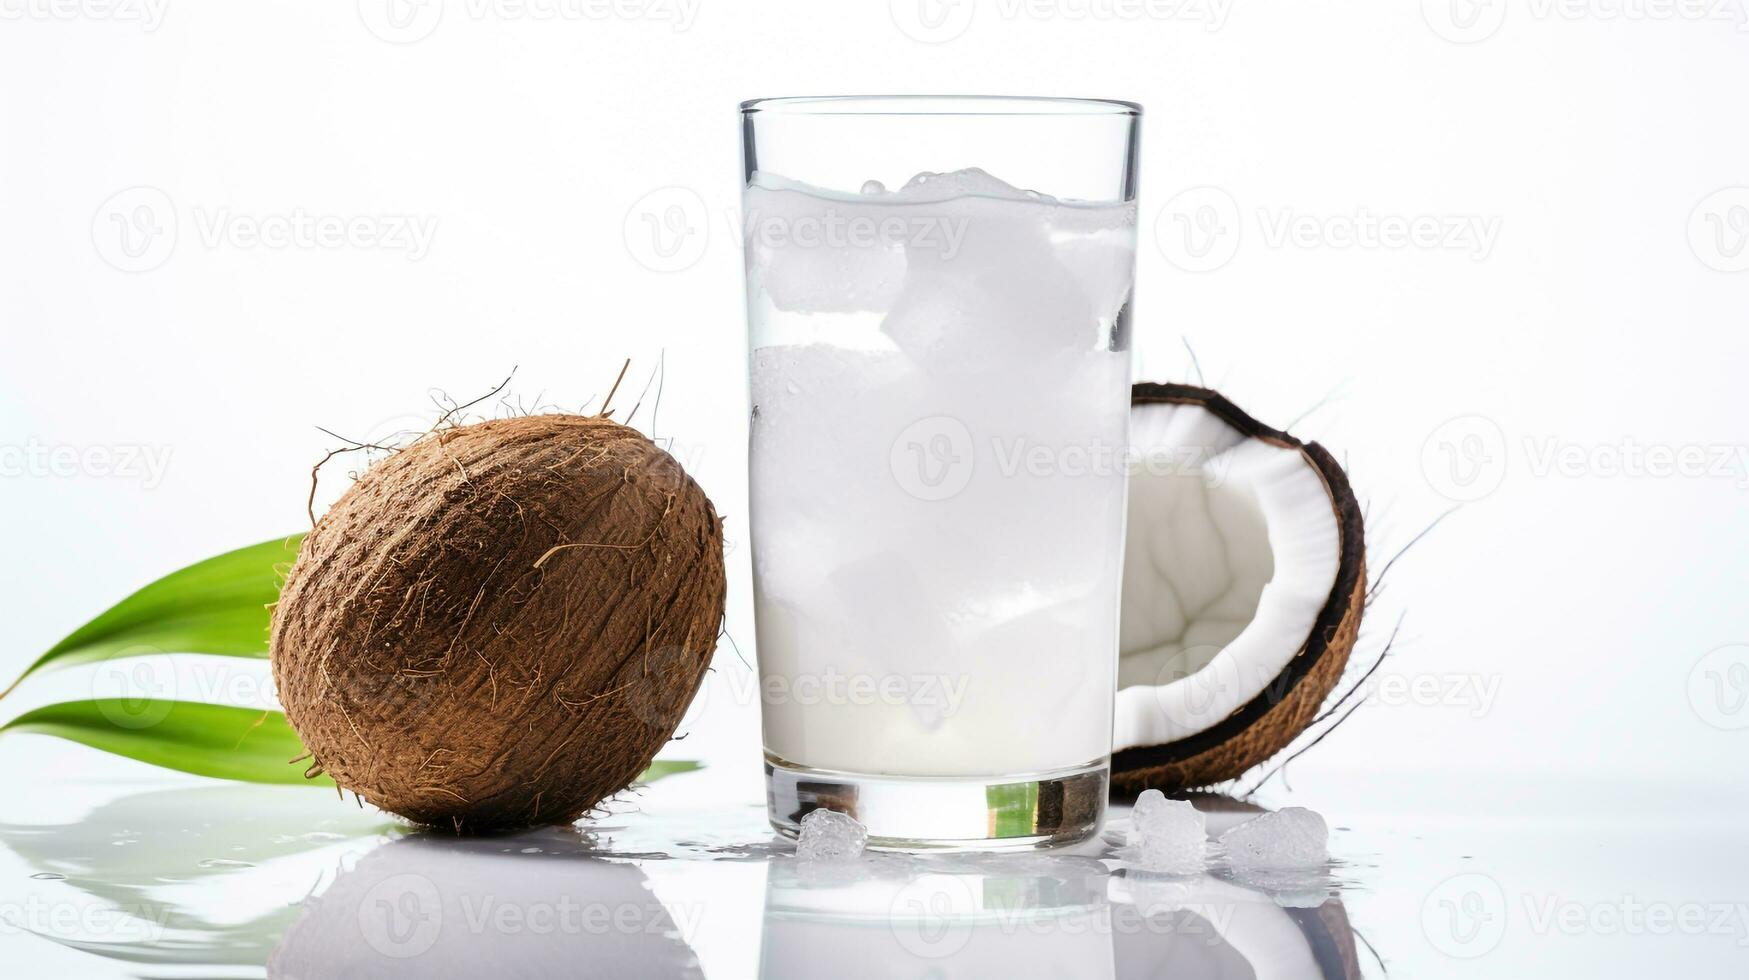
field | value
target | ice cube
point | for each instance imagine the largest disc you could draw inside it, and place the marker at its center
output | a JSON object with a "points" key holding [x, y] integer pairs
{"points": [[828, 835], [970, 182], [1292, 837], [1102, 258], [807, 254], [1167, 835], [988, 289]]}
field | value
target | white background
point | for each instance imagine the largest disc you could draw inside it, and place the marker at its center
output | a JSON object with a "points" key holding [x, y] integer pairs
{"points": [[1602, 315]]}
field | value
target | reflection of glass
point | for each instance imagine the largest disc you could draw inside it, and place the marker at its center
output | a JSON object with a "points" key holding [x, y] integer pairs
{"points": [[938, 297], [946, 918]]}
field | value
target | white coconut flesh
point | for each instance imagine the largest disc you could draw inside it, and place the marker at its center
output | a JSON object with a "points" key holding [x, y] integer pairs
{"points": [[1232, 551]]}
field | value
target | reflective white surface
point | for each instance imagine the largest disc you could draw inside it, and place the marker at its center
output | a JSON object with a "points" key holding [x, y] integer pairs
{"points": [[175, 877]]}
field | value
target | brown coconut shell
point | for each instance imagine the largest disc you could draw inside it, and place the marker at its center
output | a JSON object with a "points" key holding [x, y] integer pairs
{"points": [[501, 624], [1265, 725]]}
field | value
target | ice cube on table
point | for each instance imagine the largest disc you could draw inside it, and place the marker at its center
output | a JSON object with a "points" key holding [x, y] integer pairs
{"points": [[1292, 837], [828, 835], [1167, 835]]}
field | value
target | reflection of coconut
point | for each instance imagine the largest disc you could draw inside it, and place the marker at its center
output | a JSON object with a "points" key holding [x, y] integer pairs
{"points": [[1208, 929], [1244, 581], [181, 892], [1195, 949], [433, 907]]}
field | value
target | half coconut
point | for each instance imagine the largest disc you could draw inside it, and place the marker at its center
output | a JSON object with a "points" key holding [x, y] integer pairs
{"points": [[1244, 584]]}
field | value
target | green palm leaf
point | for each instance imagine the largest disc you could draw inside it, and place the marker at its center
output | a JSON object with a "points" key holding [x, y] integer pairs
{"points": [[221, 741], [219, 606], [245, 744], [667, 767]]}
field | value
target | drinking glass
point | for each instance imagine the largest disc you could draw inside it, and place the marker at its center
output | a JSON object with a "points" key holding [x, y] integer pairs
{"points": [[938, 294]]}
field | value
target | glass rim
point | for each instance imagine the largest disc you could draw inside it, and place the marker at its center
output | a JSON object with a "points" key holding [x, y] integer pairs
{"points": [[939, 105]]}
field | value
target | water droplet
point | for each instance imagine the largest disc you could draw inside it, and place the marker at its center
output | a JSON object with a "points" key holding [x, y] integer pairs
{"points": [[214, 863], [48, 876], [874, 187], [531, 850]]}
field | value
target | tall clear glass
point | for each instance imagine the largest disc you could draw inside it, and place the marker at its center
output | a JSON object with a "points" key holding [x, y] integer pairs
{"points": [[938, 294]]}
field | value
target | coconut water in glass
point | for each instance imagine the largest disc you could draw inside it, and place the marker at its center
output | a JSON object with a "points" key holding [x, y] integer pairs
{"points": [[938, 295]]}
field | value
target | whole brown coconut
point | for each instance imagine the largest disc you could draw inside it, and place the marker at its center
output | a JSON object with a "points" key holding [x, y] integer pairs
{"points": [[500, 625]]}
